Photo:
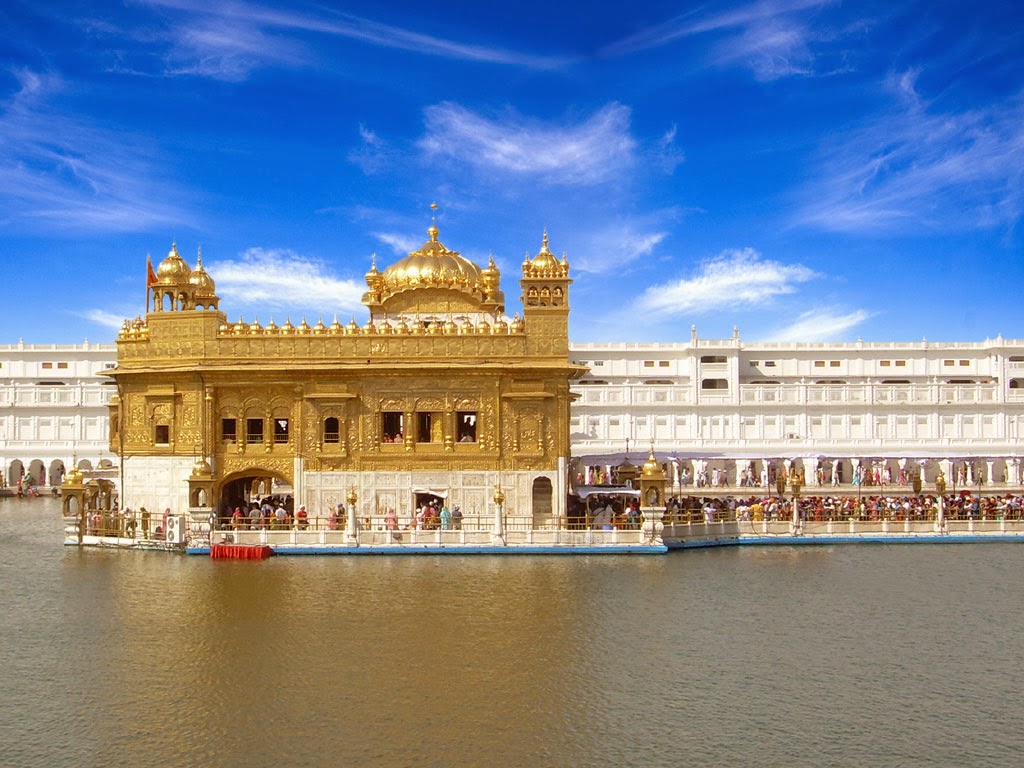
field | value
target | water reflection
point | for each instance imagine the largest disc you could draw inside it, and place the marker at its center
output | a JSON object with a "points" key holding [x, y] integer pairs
{"points": [[870, 655]]}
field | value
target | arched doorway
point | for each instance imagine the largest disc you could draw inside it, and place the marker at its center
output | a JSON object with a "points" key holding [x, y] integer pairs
{"points": [[251, 487], [15, 472], [542, 495]]}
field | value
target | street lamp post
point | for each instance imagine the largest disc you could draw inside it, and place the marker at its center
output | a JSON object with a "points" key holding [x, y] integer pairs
{"points": [[350, 523], [796, 480], [499, 520]]}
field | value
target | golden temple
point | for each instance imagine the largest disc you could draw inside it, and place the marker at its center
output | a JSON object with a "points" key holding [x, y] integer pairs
{"points": [[438, 394]]}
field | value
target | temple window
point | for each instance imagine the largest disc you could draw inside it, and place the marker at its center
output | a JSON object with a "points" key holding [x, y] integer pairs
{"points": [[392, 427], [332, 433], [465, 423], [280, 431], [254, 430], [228, 430], [162, 434], [428, 427]]}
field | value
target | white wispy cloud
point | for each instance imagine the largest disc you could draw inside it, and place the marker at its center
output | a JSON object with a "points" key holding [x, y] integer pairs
{"points": [[731, 279], [60, 170], [917, 166], [820, 325], [262, 282], [103, 318], [614, 245], [227, 40], [773, 38], [586, 153], [399, 243]]}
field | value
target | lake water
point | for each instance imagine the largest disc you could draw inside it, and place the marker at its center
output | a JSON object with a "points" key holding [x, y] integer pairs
{"points": [[862, 655]]}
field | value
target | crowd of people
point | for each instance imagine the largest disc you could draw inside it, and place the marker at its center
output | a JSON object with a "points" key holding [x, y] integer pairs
{"points": [[919, 507]]}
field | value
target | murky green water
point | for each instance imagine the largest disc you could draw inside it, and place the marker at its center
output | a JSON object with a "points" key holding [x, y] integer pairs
{"points": [[846, 656]]}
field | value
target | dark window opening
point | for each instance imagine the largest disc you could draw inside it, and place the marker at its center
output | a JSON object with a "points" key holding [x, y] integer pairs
{"points": [[428, 427], [332, 434], [280, 431], [466, 423], [254, 430], [714, 384], [392, 427], [163, 434], [228, 430], [712, 359]]}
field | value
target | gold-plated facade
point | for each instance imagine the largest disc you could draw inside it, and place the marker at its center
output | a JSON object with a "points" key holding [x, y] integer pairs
{"points": [[438, 390]]}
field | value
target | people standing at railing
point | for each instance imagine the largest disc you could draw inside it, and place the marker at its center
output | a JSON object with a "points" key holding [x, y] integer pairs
{"points": [[301, 518]]}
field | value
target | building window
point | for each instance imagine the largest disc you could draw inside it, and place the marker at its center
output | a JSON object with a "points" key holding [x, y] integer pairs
{"points": [[714, 384], [280, 431], [901, 363], [466, 426], [885, 363], [833, 363], [769, 363], [663, 363], [428, 427], [947, 362], [392, 427], [228, 430], [648, 363], [712, 359], [47, 365], [254, 430], [162, 435], [965, 362], [331, 432]]}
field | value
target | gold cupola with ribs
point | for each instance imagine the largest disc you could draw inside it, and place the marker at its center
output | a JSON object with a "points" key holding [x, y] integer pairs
{"points": [[434, 281]]}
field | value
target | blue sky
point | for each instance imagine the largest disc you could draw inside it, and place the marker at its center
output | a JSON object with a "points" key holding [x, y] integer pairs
{"points": [[801, 170]]}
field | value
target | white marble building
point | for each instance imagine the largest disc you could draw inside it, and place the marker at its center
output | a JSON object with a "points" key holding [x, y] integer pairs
{"points": [[725, 410], [53, 411], [728, 411]]}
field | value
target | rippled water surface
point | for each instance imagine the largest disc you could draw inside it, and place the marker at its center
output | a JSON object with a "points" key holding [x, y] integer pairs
{"points": [[868, 655]]}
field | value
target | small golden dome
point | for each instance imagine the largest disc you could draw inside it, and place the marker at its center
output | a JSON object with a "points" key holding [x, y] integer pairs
{"points": [[352, 328], [402, 326], [287, 329], [518, 326], [385, 327], [202, 467], [319, 329], [201, 279], [544, 259], [173, 270], [652, 467], [336, 327], [255, 329], [271, 327], [303, 327]]}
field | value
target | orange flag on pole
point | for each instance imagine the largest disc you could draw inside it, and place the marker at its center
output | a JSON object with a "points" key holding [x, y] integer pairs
{"points": [[150, 274]]}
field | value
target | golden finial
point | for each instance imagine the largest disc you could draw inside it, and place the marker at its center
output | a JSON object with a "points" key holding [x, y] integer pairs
{"points": [[199, 256]]}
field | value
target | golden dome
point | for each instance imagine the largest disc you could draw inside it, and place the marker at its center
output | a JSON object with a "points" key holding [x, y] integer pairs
{"points": [[544, 259], [652, 467], [201, 279], [173, 270], [433, 265], [202, 467]]}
